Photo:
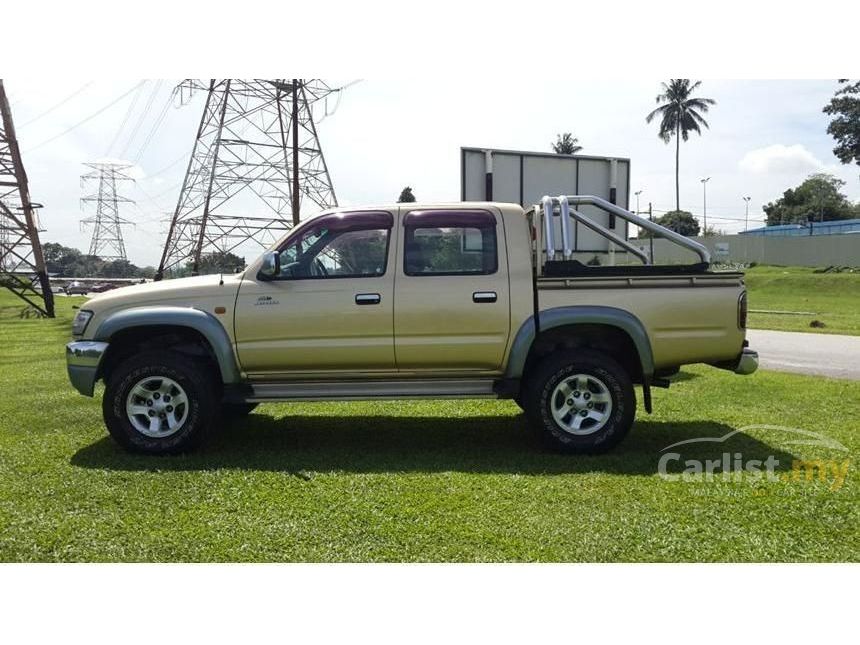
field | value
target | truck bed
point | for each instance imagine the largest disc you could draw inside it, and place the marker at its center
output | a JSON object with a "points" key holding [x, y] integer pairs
{"points": [[691, 318]]}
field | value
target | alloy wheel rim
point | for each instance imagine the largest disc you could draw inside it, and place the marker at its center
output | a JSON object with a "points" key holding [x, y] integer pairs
{"points": [[157, 407], [581, 404]]}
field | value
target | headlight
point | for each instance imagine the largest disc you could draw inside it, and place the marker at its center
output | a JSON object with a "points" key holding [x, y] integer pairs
{"points": [[81, 321]]}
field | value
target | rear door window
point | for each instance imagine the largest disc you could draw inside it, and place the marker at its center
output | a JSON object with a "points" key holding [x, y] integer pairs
{"points": [[450, 243]]}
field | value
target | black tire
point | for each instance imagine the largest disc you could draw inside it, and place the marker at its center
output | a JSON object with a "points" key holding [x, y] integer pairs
{"points": [[548, 374], [194, 379], [237, 410]]}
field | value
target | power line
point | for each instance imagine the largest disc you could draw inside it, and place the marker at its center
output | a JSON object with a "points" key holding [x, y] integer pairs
{"points": [[720, 217], [155, 126], [168, 166], [54, 107], [124, 121], [725, 208], [152, 199], [165, 191], [89, 118], [142, 117]]}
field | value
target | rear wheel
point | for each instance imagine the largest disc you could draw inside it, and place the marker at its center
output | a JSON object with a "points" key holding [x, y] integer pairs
{"points": [[582, 401], [159, 402]]}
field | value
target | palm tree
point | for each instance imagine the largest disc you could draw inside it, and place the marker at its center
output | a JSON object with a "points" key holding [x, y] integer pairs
{"points": [[680, 114], [566, 144]]}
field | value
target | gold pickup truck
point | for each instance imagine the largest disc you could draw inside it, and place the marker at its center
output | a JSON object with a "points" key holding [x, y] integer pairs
{"points": [[466, 300]]}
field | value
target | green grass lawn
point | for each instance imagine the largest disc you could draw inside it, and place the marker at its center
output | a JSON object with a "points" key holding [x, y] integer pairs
{"points": [[834, 299], [448, 480]]}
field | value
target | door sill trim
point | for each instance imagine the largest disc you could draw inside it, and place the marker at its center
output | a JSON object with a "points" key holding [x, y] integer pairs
{"points": [[372, 390]]}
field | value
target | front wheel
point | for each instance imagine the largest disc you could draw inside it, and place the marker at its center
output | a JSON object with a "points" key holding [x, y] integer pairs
{"points": [[581, 400], [159, 403]]}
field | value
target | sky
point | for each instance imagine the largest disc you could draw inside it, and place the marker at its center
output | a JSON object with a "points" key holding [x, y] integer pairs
{"points": [[765, 137]]}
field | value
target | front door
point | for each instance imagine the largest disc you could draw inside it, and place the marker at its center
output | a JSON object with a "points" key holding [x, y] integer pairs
{"points": [[451, 290], [330, 308]]}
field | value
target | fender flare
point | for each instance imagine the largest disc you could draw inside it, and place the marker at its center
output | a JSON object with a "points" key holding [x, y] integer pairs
{"points": [[578, 315], [200, 321]]}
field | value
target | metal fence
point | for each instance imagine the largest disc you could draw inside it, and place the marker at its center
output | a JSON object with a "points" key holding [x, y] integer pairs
{"points": [[835, 227]]}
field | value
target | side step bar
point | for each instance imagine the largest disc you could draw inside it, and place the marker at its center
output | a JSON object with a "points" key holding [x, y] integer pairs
{"points": [[370, 390]]}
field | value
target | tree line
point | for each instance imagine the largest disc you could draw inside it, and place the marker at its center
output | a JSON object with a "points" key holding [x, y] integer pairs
{"points": [[69, 262]]}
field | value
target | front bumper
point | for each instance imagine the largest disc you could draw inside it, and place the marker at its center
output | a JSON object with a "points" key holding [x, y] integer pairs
{"points": [[82, 362], [747, 363]]}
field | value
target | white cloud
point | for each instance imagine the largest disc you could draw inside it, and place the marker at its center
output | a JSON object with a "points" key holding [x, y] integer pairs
{"points": [[781, 159]]}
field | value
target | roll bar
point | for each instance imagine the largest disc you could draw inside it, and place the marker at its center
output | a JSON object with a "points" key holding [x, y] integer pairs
{"points": [[565, 230], [566, 201], [549, 235], [641, 222], [620, 241]]}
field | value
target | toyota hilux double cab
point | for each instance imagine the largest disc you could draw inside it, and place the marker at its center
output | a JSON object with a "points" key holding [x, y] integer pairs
{"points": [[465, 300]]}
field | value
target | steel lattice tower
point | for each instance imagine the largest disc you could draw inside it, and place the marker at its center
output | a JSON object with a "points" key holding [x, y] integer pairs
{"points": [[22, 264], [107, 242], [256, 158]]}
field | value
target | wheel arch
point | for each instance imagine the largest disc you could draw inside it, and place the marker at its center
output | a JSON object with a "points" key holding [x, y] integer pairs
{"points": [[614, 331], [186, 328]]}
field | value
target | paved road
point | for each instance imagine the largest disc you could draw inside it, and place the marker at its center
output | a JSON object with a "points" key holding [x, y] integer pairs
{"points": [[822, 354]]}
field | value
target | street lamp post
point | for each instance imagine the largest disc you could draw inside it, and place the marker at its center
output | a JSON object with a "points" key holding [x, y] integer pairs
{"points": [[705, 204], [637, 193], [747, 216]]}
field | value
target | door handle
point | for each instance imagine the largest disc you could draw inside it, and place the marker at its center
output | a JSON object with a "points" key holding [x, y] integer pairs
{"points": [[484, 296], [367, 298]]}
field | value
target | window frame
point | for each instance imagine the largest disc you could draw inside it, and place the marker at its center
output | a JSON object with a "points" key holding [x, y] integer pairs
{"points": [[341, 219], [462, 219]]}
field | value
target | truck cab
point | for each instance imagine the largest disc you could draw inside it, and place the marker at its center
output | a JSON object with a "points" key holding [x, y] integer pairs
{"points": [[362, 292]]}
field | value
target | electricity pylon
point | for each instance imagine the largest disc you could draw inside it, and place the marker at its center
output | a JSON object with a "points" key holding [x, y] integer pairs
{"points": [[107, 242], [256, 158], [22, 264]]}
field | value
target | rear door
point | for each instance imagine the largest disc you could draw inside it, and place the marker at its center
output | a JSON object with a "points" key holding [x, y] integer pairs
{"points": [[451, 291]]}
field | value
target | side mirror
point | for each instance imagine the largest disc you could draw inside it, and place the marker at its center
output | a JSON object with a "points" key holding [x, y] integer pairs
{"points": [[271, 266]]}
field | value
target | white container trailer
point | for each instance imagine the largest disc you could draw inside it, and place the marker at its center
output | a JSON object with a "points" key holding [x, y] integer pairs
{"points": [[523, 178]]}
